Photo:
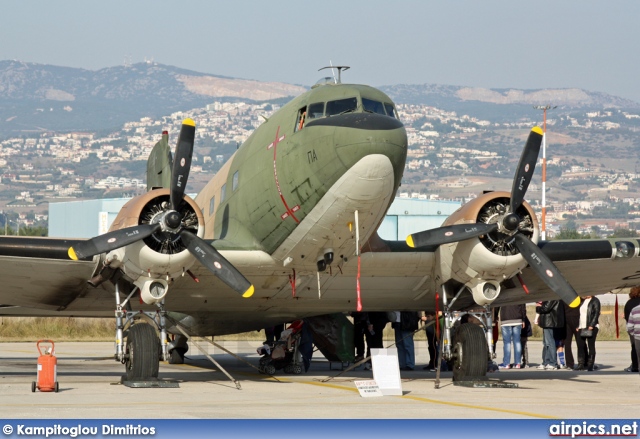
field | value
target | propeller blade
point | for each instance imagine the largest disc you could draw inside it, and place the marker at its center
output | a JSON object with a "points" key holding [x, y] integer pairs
{"points": [[111, 241], [448, 234], [182, 162], [525, 169], [545, 268], [216, 263]]}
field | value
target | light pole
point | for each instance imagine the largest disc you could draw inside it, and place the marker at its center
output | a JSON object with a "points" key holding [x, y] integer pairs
{"points": [[543, 227]]}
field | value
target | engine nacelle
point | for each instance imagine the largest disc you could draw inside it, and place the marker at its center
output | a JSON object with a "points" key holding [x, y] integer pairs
{"points": [[152, 290], [490, 258], [484, 292], [151, 263]]}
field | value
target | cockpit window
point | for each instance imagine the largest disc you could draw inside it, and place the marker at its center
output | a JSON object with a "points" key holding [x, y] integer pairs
{"points": [[315, 111], [341, 106], [373, 106], [390, 110]]}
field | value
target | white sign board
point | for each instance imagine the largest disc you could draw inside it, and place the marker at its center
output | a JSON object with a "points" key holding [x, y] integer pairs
{"points": [[386, 371], [368, 388]]}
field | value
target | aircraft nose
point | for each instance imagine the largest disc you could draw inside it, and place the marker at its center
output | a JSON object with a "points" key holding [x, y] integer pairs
{"points": [[358, 135]]}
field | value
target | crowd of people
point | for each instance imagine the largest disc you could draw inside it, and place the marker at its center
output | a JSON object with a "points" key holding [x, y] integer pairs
{"points": [[561, 325]]}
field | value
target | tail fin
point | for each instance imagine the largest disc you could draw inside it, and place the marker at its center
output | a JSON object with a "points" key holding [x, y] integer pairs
{"points": [[159, 164]]}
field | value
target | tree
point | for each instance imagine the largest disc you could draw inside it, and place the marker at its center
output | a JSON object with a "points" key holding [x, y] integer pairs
{"points": [[624, 233], [566, 233]]}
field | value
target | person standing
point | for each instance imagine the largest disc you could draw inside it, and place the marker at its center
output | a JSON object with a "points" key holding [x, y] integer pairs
{"points": [[633, 328], [571, 318], [527, 331], [634, 300], [376, 321], [429, 320], [589, 315], [359, 330], [511, 324], [405, 325], [551, 316]]}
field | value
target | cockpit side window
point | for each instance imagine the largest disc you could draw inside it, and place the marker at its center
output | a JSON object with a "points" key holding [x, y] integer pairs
{"points": [[341, 106], [373, 106], [391, 111], [315, 111], [302, 115]]}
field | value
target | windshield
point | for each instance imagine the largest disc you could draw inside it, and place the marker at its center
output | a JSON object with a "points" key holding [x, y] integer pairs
{"points": [[315, 110], [390, 110], [373, 106], [341, 106]]}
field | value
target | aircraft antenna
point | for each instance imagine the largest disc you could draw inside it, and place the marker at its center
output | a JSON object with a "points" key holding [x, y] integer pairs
{"points": [[333, 72], [340, 69]]}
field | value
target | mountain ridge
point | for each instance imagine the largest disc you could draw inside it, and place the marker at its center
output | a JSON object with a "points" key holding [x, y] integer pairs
{"points": [[37, 97]]}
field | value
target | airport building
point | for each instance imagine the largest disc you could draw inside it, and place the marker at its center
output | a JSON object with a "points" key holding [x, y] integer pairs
{"points": [[89, 218]]}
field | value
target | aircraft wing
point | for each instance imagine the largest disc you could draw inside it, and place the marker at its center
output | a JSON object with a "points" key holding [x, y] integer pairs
{"points": [[36, 272]]}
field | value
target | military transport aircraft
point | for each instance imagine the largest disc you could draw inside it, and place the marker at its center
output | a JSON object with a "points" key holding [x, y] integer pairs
{"points": [[287, 230]]}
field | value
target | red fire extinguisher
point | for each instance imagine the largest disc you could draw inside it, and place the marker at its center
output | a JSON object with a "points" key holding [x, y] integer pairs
{"points": [[47, 365]]}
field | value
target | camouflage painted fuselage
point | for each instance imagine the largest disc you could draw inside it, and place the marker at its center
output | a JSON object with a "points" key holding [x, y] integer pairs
{"points": [[286, 166]]}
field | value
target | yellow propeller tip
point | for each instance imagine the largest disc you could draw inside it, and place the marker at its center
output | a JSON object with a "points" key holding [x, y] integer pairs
{"points": [[249, 292], [410, 242], [189, 122], [72, 254], [537, 130], [575, 302]]}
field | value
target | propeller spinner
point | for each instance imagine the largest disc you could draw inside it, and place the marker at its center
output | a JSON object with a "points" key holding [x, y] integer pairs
{"points": [[509, 226], [171, 222]]}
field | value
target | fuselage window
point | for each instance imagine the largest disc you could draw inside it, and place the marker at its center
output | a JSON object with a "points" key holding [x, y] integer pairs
{"points": [[302, 115], [234, 184], [223, 191], [373, 106], [315, 111], [390, 110], [341, 106], [212, 205]]}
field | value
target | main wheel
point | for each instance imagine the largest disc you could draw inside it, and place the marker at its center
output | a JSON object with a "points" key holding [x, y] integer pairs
{"points": [[142, 353], [470, 353], [33, 386]]}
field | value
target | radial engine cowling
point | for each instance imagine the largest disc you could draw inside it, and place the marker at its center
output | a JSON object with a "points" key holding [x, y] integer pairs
{"points": [[151, 263], [492, 257]]}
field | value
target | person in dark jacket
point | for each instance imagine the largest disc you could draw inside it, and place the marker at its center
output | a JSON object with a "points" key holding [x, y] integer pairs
{"points": [[571, 318], [589, 315], [634, 300], [551, 316], [511, 323], [376, 321]]}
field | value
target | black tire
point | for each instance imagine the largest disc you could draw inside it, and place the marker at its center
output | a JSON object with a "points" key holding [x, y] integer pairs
{"points": [[143, 353], [470, 353], [270, 369], [33, 386], [296, 369], [56, 388], [176, 356]]}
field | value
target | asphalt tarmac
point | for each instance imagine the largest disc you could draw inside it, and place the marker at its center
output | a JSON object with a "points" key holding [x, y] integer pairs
{"points": [[89, 383]]}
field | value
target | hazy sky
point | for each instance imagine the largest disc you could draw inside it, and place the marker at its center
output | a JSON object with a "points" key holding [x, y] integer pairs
{"points": [[486, 43]]}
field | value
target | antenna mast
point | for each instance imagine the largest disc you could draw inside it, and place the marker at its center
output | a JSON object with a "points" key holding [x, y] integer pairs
{"points": [[340, 70]]}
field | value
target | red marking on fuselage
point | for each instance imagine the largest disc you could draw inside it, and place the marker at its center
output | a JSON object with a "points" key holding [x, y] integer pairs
{"points": [[289, 212]]}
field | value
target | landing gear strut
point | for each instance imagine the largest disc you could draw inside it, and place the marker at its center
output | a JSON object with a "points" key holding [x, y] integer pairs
{"points": [[465, 346], [143, 350]]}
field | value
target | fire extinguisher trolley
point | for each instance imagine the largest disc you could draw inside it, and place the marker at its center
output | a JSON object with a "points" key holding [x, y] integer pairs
{"points": [[47, 365]]}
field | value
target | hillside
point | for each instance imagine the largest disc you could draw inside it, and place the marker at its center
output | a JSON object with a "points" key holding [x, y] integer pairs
{"points": [[35, 97]]}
